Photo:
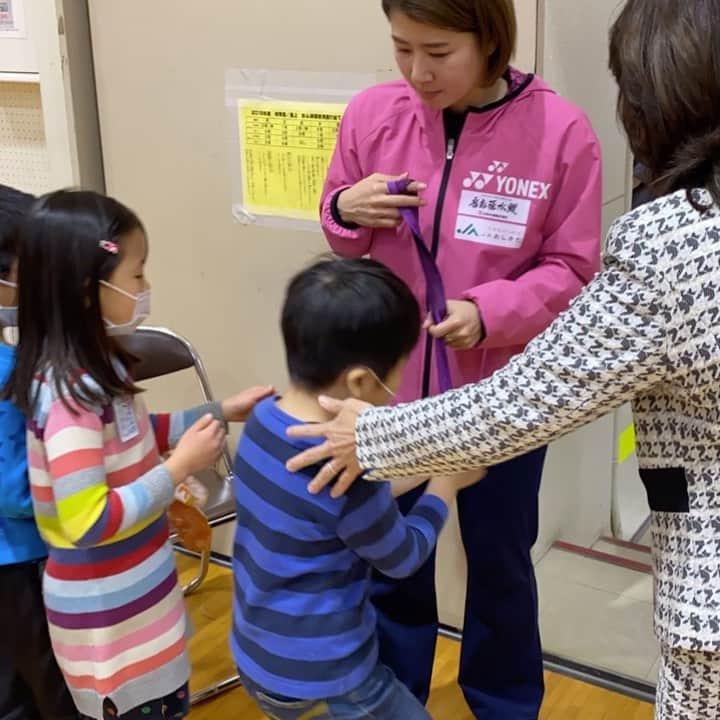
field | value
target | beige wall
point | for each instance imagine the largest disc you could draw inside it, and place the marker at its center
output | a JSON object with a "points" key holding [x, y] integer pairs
{"points": [[160, 81], [160, 75], [160, 71]]}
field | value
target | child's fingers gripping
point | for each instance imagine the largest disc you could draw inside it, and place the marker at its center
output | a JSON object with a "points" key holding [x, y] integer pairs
{"points": [[203, 423], [469, 477], [215, 433], [220, 435], [260, 392], [205, 429]]}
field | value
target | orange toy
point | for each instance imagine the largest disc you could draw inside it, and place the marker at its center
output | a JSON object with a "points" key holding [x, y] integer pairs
{"points": [[191, 526]]}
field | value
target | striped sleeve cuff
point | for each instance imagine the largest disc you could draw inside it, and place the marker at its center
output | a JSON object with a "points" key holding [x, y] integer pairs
{"points": [[432, 509], [160, 487], [181, 421]]}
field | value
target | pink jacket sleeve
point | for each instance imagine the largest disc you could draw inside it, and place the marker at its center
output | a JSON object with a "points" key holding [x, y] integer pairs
{"points": [[344, 171], [515, 311]]}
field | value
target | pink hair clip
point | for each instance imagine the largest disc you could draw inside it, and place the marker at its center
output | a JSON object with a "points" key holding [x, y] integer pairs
{"points": [[109, 246]]}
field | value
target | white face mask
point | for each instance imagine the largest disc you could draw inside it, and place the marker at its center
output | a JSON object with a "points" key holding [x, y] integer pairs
{"points": [[8, 313], [141, 312]]}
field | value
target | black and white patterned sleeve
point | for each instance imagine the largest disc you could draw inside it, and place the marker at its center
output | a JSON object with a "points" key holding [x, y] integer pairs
{"points": [[609, 346]]}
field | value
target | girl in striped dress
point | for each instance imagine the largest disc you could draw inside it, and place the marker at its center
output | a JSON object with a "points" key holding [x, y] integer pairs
{"points": [[100, 492]]}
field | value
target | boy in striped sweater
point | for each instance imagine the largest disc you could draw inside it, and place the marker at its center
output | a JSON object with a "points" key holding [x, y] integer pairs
{"points": [[304, 635]]}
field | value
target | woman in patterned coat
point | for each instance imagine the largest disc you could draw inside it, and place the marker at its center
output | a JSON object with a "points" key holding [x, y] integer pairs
{"points": [[647, 329]]}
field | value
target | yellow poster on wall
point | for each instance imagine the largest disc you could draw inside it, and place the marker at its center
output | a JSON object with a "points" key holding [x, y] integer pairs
{"points": [[285, 150]]}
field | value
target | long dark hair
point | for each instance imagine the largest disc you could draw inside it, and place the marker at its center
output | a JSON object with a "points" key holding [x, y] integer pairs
{"points": [[665, 56], [61, 328]]}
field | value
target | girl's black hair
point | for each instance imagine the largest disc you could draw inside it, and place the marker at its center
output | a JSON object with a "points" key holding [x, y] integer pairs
{"points": [[61, 328]]}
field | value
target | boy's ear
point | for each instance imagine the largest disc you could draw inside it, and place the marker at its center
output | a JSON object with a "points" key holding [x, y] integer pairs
{"points": [[359, 382]]}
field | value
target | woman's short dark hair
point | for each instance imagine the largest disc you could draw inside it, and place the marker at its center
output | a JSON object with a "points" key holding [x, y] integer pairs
{"points": [[340, 314], [493, 21], [14, 206], [665, 56], [60, 323]]}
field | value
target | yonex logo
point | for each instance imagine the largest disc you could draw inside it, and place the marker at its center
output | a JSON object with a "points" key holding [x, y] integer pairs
{"points": [[498, 167], [478, 180], [507, 184]]}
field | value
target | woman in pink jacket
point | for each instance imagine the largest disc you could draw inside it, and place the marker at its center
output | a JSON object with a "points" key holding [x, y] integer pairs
{"points": [[508, 184]]}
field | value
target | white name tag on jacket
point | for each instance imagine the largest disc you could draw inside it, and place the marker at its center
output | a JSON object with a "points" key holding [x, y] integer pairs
{"points": [[125, 420], [492, 219]]}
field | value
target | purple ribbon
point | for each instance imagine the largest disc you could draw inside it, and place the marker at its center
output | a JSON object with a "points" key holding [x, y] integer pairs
{"points": [[434, 287]]}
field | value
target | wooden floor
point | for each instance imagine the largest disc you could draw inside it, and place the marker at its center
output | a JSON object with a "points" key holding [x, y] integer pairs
{"points": [[210, 613]]}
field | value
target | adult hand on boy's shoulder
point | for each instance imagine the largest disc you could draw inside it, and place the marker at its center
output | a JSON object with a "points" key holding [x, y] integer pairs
{"points": [[238, 407], [339, 448]]}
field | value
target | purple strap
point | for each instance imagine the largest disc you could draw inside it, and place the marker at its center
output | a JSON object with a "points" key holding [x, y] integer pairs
{"points": [[434, 288]]}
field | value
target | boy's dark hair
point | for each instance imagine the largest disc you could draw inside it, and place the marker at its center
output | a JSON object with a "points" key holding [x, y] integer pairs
{"points": [[493, 21], [665, 56], [59, 319], [340, 314], [14, 206]]}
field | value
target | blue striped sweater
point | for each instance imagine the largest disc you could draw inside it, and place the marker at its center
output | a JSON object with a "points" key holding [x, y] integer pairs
{"points": [[303, 624]]}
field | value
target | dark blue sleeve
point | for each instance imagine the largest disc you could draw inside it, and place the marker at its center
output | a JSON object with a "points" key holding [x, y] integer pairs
{"points": [[15, 499], [372, 525]]}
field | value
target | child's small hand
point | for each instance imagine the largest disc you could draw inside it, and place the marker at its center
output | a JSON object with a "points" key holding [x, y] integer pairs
{"points": [[192, 492], [446, 487], [199, 448], [400, 486], [467, 478], [238, 407]]}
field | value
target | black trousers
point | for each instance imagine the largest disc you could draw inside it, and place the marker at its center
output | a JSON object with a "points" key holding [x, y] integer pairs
{"points": [[501, 665], [31, 684]]}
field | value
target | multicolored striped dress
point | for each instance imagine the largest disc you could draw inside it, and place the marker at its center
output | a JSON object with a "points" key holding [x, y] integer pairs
{"points": [[114, 606]]}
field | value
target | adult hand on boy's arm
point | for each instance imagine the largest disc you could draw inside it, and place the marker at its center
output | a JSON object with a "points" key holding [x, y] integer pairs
{"points": [[238, 407]]}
